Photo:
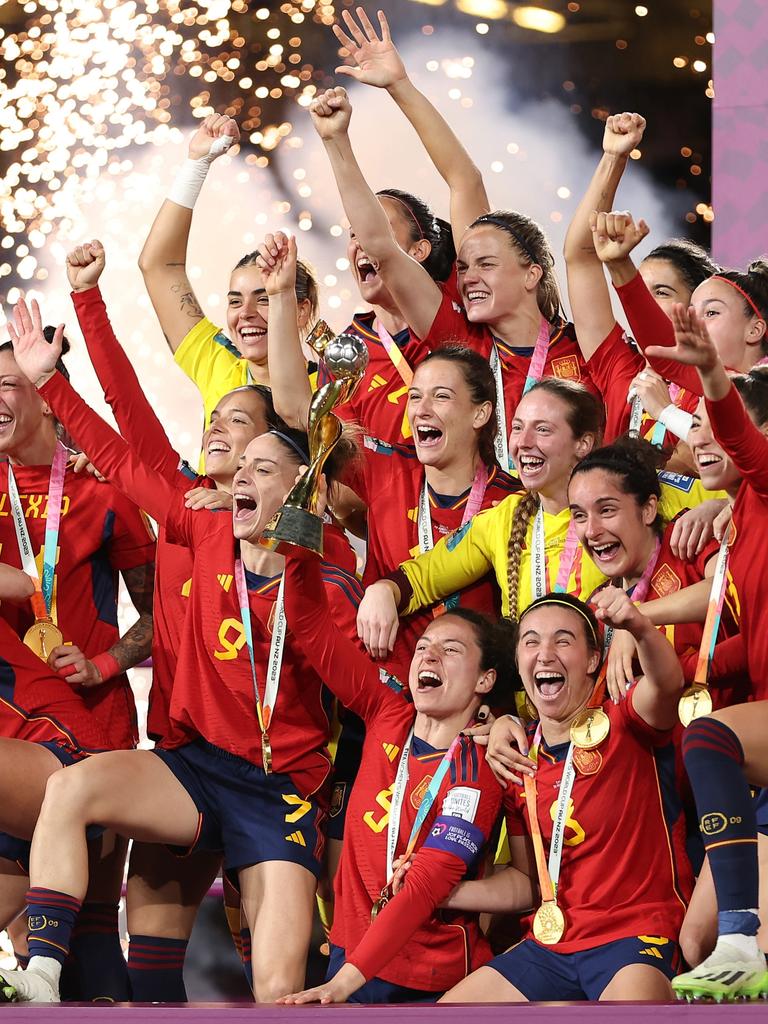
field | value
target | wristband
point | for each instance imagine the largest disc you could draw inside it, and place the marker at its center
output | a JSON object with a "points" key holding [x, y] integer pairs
{"points": [[106, 665], [192, 174], [677, 420]]}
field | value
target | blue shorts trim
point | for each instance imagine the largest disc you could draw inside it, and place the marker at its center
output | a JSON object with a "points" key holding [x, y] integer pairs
{"points": [[249, 816], [376, 990], [761, 810], [542, 975]]}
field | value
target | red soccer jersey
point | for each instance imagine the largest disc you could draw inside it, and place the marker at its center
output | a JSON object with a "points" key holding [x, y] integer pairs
{"points": [[101, 533], [38, 705], [141, 428], [564, 359], [411, 942], [748, 448], [391, 481], [624, 871], [613, 366], [213, 690]]}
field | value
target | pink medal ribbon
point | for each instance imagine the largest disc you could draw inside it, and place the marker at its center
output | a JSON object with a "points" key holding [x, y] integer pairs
{"points": [[539, 357], [399, 361]]}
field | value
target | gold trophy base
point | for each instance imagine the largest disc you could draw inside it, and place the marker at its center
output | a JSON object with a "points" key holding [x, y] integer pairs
{"points": [[294, 530]]}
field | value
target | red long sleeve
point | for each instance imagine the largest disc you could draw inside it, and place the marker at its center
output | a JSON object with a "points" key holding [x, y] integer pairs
{"points": [[431, 879], [136, 419], [650, 325], [111, 454], [347, 672], [736, 433]]}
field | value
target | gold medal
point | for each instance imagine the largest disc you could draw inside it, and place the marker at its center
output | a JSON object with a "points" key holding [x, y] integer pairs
{"points": [[266, 753], [43, 637], [380, 903], [549, 923], [694, 703], [590, 728]]}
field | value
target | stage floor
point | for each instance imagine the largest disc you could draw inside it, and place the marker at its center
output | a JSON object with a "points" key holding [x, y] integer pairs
{"points": [[496, 1013]]}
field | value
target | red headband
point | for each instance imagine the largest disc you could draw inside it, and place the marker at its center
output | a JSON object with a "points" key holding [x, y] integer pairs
{"points": [[407, 208], [740, 290]]}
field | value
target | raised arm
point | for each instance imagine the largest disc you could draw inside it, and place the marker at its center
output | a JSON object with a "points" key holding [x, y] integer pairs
{"points": [[416, 294], [658, 689], [136, 419], [291, 390], [587, 288], [746, 444], [110, 453], [377, 63], [615, 235], [164, 257]]}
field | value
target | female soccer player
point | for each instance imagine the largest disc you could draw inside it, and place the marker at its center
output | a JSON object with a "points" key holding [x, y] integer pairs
{"points": [[613, 896], [725, 750], [413, 494], [421, 787], [527, 540], [505, 278], [227, 778], [81, 534], [734, 305], [214, 362], [164, 891]]}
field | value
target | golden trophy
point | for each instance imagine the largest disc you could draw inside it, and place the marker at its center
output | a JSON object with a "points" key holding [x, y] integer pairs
{"points": [[296, 524]]}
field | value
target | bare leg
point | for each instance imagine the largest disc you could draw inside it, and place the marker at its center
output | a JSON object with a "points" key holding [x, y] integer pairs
{"points": [[130, 791], [638, 983], [485, 985], [699, 932], [24, 771], [14, 882], [278, 903], [165, 892]]}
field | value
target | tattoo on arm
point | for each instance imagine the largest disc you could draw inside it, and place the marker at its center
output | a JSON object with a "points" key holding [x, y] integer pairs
{"points": [[187, 300], [136, 645]]}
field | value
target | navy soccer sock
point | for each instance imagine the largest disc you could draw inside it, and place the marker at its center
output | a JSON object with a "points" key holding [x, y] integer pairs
{"points": [[51, 917], [156, 969], [714, 761], [101, 966]]}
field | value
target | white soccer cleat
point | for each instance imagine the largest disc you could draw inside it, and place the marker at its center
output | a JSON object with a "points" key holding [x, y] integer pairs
{"points": [[30, 986], [725, 974]]}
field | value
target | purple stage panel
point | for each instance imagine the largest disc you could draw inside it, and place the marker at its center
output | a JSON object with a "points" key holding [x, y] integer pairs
{"points": [[740, 131], [496, 1013]]}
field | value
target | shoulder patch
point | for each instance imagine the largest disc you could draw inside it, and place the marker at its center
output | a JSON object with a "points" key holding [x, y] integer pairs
{"points": [[677, 480], [455, 538], [223, 340], [391, 681], [461, 802]]}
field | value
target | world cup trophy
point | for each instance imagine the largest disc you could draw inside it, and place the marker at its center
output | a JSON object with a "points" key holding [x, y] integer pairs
{"points": [[296, 524]]}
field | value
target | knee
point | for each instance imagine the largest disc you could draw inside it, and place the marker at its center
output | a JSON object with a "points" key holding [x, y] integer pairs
{"points": [[68, 793], [271, 985]]}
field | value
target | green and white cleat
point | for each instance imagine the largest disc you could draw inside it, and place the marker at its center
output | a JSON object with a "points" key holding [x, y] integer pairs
{"points": [[725, 975], [28, 986]]}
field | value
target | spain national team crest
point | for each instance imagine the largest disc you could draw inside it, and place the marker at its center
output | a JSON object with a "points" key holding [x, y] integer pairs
{"points": [[337, 799], [587, 762], [566, 368], [665, 581], [418, 793]]}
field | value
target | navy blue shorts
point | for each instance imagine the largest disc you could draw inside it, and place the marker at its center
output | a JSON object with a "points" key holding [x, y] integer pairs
{"points": [[346, 764], [17, 850], [543, 975], [377, 990], [249, 816]]}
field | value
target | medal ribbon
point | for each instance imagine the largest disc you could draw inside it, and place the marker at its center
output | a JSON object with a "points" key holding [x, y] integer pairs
{"points": [[392, 349], [473, 505], [659, 430], [42, 609], [277, 645], [398, 795], [539, 573], [549, 872], [534, 375], [714, 613], [635, 417]]}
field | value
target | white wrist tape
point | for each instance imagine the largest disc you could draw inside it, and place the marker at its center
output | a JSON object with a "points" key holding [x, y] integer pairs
{"points": [[677, 420], [192, 174]]}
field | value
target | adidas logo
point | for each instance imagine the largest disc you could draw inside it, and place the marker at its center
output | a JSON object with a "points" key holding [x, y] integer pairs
{"points": [[651, 952], [296, 837], [225, 580], [391, 750], [377, 381]]}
